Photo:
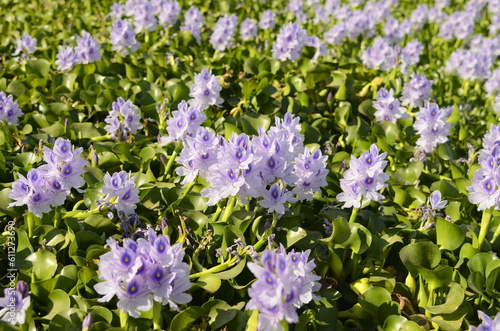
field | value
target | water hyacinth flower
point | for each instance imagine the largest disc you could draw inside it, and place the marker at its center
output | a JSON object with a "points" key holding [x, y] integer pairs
{"points": [[206, 90], [26, 45], [388, 107], [184, 122], [431, 125], [418, 89], [15, 303], [310, 171], [275, 198], [193, 22], [336, 34], [410, 54], [140, 272], [380, 55], [124, 118], [267, 20], [122, 37], [87, 50], [364, 179], [144, 16], [224, 31], [66, 58], [169, 12], [248, 29], [321, 49], [289, 42], [488, 323], [48, 185], [284, 283], [9, 109], [436, 202], [121, 193]]}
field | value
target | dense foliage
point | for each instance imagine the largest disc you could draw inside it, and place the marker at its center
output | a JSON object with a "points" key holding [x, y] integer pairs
{"points": [[250, 165]]}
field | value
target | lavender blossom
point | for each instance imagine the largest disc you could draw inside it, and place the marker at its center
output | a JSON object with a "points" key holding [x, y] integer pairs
{"points": [[224, 31], [144, 271], [275, 199], [144, 17], [87, 49], [9, 109], [193, 22], [15, 303], [120, 192], [248, 29], [336, 34], [289, 42], [25, 46], [488, 323], [122, 37], [432, 127], [66, 59], [124, 118], [436, 202], [416, 91], [388, 108], [284, 283], [267, 20], [169, 12], [380, 55], [410, 54], [206, 90]]}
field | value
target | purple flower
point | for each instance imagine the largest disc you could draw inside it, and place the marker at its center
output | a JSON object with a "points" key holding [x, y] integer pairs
{"points": [[224, 32], [431, 125], [380, 55], [9, 109], [25, 46], [336, 34], [144, 16], [284, 283], [117, 11], [66, 58], [410, 54], [488, 323], [206, 90], [121, 192], [310, 170], [388, 108], [15, 303], [144, 271], [416, 91], [267, 20], [124, 118], [364, 179], [169, 12], [87, 49], [436, 202], [193, 22], [321, 49], [122, 37], [289, 42], [248, 29], [275, 199]]}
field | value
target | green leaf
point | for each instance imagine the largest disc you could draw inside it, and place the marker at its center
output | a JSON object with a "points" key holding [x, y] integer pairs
{"points": [[359, 240], [233, 272], [423, 254], [454, 299], [293, 235], [209, 282], [44, 264], [40, 67], [58, 302], [372, 299], [449, 235], [184, 319]]}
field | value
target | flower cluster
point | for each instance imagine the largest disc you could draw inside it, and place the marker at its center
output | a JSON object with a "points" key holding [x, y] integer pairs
{"points": [[122, 37], [121, 193], [416, 91], [388, 107], [25, 46], [183, 123], [255, 167], [484, 189], [284, 283], [488, 324], [470, 65], [206, 90], [9, 109], [248, 29], [169, 11], [267, 20], [87, 50], [289, 42], [380, 55], [224, 32], [193, 22], [431, 125], [49, 185], [124, 118], [144, 271], [15, 303], [364, 179]]}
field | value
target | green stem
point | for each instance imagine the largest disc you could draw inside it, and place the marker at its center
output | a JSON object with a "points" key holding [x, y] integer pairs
{"points": [[354, 214], [57, 217], [123, 320], [188, 189], [495, 236], [217, 268], [157, 316], [229, 209], [172, 159], [485, 224], [78, 204], [216, 214], [30, 220]]}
